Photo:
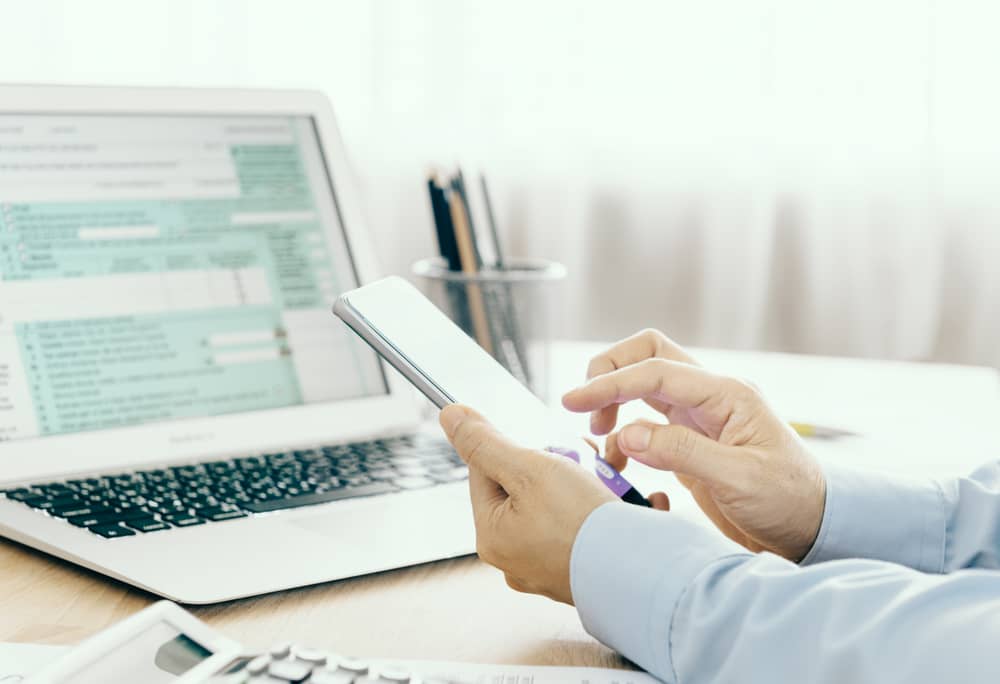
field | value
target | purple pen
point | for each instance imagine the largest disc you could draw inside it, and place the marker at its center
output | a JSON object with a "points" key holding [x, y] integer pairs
{"points": [[611, 478]]}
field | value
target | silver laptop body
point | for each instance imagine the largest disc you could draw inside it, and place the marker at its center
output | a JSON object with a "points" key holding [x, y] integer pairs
{"points": [[178, 408]]}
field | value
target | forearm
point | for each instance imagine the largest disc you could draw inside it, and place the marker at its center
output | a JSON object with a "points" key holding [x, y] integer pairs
{"points": [[930, 526], [689, 606]]}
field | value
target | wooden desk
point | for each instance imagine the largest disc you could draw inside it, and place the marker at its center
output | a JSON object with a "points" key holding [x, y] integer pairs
{"points": [[452, 610], [462, 609]]}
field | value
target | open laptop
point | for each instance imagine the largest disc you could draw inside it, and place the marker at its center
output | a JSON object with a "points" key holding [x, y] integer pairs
{"points": [[178, 407]]}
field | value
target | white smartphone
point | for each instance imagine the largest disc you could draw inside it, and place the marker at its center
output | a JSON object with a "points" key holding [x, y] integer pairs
{"points": [[448, 366]]}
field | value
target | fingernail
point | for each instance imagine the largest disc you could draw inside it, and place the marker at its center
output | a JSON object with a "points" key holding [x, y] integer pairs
{"points": [[637, 437], [451, 417]]}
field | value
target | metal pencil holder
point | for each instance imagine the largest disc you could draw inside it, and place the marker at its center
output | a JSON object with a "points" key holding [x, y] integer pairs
{"points": [[508, 312]]}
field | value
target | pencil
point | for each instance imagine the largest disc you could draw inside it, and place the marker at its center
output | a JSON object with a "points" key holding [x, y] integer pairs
{"points": [[470, 266], [819, 431]]}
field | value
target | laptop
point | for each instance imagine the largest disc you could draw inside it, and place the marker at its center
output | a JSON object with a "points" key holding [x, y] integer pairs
{"points": [[179, 409]]}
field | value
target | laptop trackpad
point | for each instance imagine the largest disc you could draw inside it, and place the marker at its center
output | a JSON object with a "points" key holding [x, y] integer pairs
{"points": [[409, 520]]}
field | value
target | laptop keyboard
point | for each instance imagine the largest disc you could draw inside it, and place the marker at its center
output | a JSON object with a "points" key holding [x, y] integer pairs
{"points": [[125, 504]]}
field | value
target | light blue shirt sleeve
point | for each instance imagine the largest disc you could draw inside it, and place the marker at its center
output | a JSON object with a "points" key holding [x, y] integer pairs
{"points": [[690, 606], [926, 525]]}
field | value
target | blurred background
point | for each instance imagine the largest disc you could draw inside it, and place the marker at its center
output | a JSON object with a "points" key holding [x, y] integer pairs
{"points": [[760, 174]]}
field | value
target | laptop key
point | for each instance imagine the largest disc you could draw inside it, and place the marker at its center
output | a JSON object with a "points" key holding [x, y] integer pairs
{"points": [[321, 497], [455, 474], [34, 501], [131, 513], [22, 494], [79, 509], [217, 513], [147, 525], [93, 519], [193, 494], [49, 503], [112, 531], [181, 520], [414, 482]]}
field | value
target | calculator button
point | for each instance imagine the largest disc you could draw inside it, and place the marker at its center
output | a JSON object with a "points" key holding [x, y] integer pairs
{"points": [[368, 679], [399, 676], [332, 677], [232, 678], [354, 666], [281, 650], [289, 670], [309, 655], [258, 665]]}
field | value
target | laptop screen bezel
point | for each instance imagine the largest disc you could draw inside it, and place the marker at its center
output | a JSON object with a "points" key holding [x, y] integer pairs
{"points": [[193, 439]]}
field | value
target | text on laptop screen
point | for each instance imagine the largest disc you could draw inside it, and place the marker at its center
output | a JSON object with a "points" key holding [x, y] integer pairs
{"points": [[165, 267]]}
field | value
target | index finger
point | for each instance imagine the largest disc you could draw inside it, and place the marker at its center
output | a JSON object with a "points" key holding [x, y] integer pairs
{"points": [[670, 382], [645, 344]]}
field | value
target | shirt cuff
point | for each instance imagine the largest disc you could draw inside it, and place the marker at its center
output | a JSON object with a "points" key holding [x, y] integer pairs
{"points": [[629, 568], [881, 517]]}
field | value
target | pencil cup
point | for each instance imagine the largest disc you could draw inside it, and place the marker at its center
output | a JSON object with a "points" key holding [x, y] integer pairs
{"points": [[508, 312]]}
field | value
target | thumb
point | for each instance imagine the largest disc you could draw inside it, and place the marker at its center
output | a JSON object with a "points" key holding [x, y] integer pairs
{"points": [[683, 451], [481, 446]]}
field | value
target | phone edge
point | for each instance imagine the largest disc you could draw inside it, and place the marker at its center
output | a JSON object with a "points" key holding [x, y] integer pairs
{"points": [[363, 328]]}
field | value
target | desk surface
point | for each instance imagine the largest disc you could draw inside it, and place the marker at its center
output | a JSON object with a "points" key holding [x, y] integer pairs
{"points": [[462, 609]]}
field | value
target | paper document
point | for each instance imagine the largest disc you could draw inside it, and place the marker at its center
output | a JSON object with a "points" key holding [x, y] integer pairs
{"points": [[18, 661]]}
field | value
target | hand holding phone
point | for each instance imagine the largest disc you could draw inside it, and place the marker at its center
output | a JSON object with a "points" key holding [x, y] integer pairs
{"points": [[447, 366]]}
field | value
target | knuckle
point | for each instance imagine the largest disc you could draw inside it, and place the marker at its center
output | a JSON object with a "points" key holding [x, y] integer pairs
{"points": [[753, 389], [748, 403], [655, 339], [597, 366], [741, 389], [552, 467], [660, 369], [652, 335], [658, 365], [471, 442]]}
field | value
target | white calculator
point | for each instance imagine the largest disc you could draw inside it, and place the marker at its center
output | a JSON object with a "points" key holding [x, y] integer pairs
{"points": [[164, 644]]}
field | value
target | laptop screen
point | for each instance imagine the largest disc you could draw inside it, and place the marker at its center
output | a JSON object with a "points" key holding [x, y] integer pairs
{"points": [[165, 267]]}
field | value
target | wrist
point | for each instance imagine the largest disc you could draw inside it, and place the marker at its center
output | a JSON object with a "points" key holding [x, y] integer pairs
{"points": [[812, 519]]}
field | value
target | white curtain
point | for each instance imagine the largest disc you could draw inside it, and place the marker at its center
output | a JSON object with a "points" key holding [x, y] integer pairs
{"points": [[780, 174]]}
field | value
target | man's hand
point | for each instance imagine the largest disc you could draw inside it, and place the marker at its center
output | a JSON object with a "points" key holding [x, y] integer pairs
{"points": [[746, 468], [528, 505]]}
